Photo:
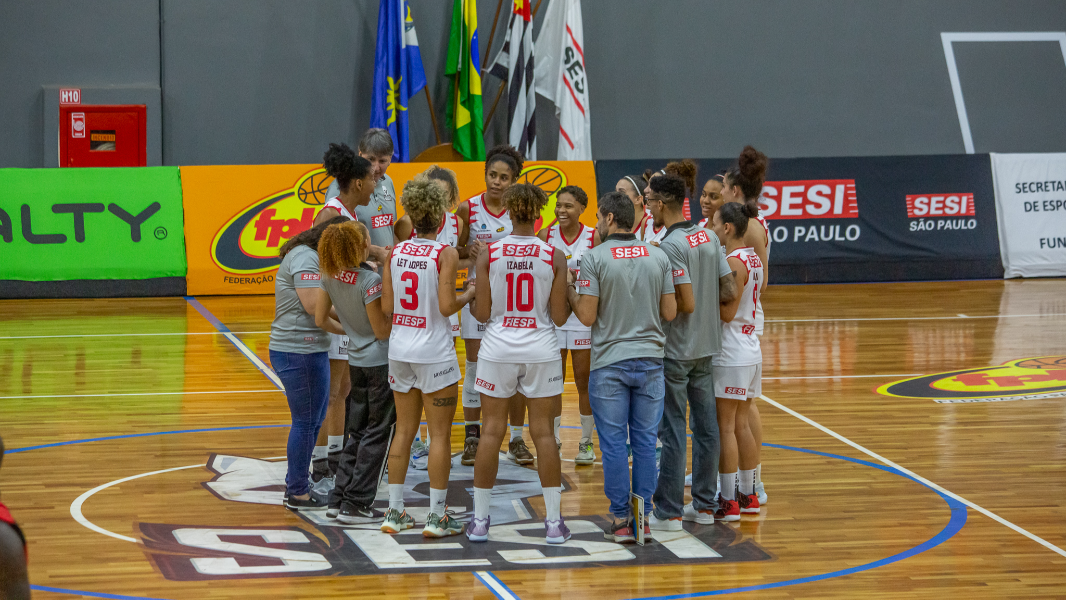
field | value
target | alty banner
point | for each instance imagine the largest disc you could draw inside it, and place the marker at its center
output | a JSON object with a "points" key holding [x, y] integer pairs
{"points": [[91, 224], [890, 218], [1031, 204], [237, 217]]}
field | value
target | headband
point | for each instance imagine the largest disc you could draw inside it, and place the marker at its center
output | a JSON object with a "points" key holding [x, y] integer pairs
{"points": [[635, 186]]}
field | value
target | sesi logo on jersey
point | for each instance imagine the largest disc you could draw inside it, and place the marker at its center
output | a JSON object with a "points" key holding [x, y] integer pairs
{"points": [[408, 321], [700, 237], [520, 251], [416, 249], [629, 251], [940, 205], [520, 322], [310, 277], [374, 290], [583, 282], [484, 384], [381, 220], [736, 391], [679, 272], [347, 277]]}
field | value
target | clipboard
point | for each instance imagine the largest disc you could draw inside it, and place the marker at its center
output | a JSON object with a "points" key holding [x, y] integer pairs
{"points": [[636, 509]]}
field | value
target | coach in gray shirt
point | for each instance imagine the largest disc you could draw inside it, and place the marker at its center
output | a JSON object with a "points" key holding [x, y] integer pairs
{"points": [[624, 292], [702, 280]]}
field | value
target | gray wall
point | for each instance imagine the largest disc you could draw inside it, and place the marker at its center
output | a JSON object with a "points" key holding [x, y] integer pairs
{"points": [[272, 81]]}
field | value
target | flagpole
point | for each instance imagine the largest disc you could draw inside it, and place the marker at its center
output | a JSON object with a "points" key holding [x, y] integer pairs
{"points": [[432, 115], [499, 94]]}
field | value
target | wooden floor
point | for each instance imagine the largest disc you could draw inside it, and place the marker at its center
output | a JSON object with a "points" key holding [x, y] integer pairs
{"points": [[169, 394]]}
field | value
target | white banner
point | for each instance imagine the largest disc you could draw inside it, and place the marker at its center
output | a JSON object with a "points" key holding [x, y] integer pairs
{"points": [[1031, 207]]}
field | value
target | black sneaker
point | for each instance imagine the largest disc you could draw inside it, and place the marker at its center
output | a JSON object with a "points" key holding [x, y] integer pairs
{"points": [[352, 513], [312, 503], [469, 451], [333, 511]]}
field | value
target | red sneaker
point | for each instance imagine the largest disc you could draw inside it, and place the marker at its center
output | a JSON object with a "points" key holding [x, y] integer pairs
{"points": [[728, 510], [749, 503]]}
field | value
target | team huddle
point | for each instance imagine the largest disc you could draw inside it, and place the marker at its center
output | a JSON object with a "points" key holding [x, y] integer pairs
{"points": [[660, 316]]}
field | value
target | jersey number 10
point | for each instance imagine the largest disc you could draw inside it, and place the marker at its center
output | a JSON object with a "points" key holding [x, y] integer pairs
{"points": [[524, 288]]}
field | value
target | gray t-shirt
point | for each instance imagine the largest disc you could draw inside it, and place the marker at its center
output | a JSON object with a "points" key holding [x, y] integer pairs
{"points": [[294, 329], [696, 258], [629, 277], [350, 292]]}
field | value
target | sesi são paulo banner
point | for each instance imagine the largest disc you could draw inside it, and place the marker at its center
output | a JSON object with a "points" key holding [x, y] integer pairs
{"points": [[238, 217], [98, 223]]}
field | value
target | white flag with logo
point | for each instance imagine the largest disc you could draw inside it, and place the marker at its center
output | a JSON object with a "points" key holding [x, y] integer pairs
{"points": [[560, 69], [514, 65]]}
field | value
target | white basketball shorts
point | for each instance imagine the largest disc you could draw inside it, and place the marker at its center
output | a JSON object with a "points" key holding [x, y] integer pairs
{"points": [[471, 328], [574, 340], [738, 383], [426, 377], [533, 380]]}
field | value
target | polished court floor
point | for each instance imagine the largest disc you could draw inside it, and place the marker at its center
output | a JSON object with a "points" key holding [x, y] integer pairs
{"points": [[145, 445]]}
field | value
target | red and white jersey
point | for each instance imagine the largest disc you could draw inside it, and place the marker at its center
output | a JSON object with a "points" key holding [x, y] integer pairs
{"points": [[703, 223], [653, 234], [420, 334], [484, 225], [573, 251], [740, 342], [448, 232], [520, 329], [335, 202], [759, 319]]}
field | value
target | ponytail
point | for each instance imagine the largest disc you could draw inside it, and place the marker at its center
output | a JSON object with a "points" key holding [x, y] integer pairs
{"points": [[736, 214]]}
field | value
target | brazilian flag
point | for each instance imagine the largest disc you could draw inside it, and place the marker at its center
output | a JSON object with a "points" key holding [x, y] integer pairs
{"points": [[464, 67]]}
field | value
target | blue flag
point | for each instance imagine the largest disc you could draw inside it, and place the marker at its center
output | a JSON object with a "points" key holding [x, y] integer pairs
{"points": [[398, 74]]}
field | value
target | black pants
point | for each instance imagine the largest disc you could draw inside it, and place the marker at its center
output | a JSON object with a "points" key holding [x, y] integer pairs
{"points": [[370, 417]]}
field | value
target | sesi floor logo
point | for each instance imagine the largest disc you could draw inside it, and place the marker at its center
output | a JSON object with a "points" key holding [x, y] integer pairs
{"points": [[812, 199], [1024, 379], [249, 241]]}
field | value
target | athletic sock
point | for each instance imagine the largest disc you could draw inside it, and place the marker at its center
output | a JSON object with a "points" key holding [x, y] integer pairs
{"points": [[516, 432], [482, 498], [587, 422], [471, 397], [335, 443], [473, 429], [552, 498], [758, 474], [728, 481], [319, 452], [396, 496], [557, 421], [747, 482], [437, 501]]}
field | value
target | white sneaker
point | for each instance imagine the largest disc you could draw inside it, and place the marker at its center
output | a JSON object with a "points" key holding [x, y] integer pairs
{"points": [[691, 514], [658, 524], [585, 454], [760, 491], [688, 480]]}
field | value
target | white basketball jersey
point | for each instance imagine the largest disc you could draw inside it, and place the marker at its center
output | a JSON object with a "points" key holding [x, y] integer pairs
{"points": [[520, 329], [447, 233], [759, 319], [651, 234], [740, 343], [484, 225], [420, 333], [573, 251], [703, 223], [335, 202]]}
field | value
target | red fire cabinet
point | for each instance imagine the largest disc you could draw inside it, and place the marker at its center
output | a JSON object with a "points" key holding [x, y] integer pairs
{"points": [[103, 136]]}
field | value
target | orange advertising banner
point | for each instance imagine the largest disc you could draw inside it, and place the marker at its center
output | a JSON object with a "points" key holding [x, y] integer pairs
{"points": [[237, 217]]}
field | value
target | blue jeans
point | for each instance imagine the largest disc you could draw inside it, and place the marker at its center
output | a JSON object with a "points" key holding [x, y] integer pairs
{"points": [[627, 397], [306, 381]]}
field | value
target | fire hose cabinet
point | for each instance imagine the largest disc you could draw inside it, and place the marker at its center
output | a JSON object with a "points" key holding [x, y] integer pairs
{"points": [[103, 135]]}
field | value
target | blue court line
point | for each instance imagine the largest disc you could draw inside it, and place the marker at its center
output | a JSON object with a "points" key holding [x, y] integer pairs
{"points": [[493, 577], [220, 326], [137, 435], [54, 590]]}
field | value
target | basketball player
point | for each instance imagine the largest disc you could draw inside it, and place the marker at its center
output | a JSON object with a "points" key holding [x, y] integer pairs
{"points": [[574, 239], [353, 177], [423, 370], [738, 368], [624, 292], [652, 234], [521, 297], [487, 220], [633, 190], [743, 183], [351, 286], [687, 170], [14, 578], [711, 198]]}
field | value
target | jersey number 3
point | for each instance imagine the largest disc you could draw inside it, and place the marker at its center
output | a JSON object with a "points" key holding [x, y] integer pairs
{"points": [[409, 299]]}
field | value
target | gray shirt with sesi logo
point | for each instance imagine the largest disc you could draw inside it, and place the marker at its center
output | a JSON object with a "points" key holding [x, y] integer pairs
{"points": [[350, 292], [696, 258], [379, 215], [629, 277], [294, 329]]}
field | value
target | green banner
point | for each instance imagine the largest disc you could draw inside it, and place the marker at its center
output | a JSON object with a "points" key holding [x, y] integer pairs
{"points": [[96, 223]]}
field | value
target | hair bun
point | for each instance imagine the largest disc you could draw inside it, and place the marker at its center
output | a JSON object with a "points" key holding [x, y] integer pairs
{"points": [[752, 164], [751, 210]]}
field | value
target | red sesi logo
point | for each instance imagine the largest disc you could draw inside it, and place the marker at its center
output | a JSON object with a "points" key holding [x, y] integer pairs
{"points": [[736, 391], [374, 290], [629, 251], [484, 384], [408, 321], [520, 322], [940, 205], [310, 277], [415, 249], [391, 380], [679, 272], [583, 282], [520, 251], [815, 199], [583, 342], [455, 328], [700, 237], [748, 329], [381, 221], [347, 277]]}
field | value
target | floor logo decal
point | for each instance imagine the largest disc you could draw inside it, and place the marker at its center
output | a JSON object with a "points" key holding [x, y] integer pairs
{"points": [[1023, 379]]}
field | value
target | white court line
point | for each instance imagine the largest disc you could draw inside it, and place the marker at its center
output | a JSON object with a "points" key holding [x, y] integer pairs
{"points": [[255, 360], [140, 394], [78, 335], [947, 318], [914, 475], [844, 376], [494, 585]]}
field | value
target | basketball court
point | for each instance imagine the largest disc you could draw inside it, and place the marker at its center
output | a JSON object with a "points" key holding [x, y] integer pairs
{"points": [[146, 439]]}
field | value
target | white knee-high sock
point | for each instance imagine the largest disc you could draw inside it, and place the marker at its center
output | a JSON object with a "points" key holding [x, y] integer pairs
{"points": [[587, 423], [728, 481], [516, 432], [747, 482], [396, 496], [437, 501], [553, 497], [758, 474], [471, 397], [482, 499], [335, 443], [557, 421]]}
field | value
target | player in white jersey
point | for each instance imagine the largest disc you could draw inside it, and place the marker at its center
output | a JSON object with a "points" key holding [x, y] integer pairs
{"points": [[355, 180], [487, 220], [521, 297], [419, 293], [738, 368], [633, 187], [574, 239], [743, 183]]}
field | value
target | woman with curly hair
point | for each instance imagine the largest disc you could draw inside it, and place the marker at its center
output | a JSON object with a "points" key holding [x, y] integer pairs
{"points": [[419, 294], [521, 297]]}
